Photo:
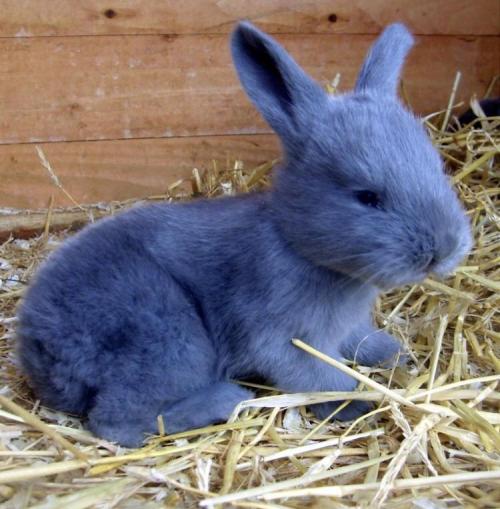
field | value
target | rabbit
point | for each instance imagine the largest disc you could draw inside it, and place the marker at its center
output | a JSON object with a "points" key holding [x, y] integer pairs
{"points": [[156, 311], [490, 107]]}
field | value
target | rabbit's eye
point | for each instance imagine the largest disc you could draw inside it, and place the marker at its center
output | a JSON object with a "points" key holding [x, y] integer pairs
{"points": [[369, 198]]}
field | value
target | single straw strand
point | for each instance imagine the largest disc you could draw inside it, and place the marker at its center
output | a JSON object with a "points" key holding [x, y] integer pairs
{"points": [[443, 323], [451, 100], [399, 484]]}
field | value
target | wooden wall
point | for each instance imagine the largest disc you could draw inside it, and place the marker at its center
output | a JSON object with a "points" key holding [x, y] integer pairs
{"points": [[125, 97]]}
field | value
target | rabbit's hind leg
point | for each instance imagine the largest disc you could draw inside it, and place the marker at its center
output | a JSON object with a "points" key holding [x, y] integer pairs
{"points": [[209, 405], [123, 415], [160, 354]]}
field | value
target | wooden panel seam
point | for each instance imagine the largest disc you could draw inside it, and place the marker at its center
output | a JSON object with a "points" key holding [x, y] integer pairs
{"points": [[262, 132]]}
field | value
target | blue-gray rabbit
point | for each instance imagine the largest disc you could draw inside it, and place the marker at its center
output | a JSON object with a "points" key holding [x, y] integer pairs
{"points": [[157, 310]]}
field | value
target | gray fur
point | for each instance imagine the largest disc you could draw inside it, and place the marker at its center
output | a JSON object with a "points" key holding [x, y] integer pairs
{"points": [[156, 310], [383, 64]]}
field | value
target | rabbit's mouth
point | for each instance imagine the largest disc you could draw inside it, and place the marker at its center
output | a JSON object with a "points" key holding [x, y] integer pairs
{"points": [[387, 286], [391, 283]]}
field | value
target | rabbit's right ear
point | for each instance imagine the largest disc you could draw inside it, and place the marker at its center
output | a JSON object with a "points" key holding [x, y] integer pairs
{"points": [[383, 64], [280, 89]]}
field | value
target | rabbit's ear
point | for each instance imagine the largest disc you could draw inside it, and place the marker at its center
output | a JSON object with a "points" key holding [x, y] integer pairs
{"points": [[275, 83], [383, 64]]}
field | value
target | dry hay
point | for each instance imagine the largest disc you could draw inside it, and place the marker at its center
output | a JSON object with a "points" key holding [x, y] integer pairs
{"points": [[432, 442]]}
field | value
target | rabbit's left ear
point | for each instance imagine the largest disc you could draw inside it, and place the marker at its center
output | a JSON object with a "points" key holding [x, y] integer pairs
{"points": [[383, 64], [281, 90]]}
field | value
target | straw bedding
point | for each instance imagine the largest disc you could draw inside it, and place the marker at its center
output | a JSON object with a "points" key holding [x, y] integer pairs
{"points": [[433, 440]]}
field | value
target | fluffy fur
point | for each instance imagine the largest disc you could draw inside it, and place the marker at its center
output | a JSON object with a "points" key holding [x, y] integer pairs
{"points": [[156, 310]]}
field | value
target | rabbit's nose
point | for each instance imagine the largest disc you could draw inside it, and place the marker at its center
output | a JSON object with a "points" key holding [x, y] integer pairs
{"points": [[445, 247]]}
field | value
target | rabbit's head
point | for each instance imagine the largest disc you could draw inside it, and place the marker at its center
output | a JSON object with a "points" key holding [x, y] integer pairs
{"points": [[362, 190]]}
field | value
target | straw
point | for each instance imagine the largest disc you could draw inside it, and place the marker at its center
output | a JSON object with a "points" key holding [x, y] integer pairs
{"points": [[354, 374]]}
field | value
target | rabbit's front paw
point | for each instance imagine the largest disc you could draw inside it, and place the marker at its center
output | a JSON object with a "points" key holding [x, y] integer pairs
{"points": [[390, 352], [353, 410], [379, 349]]}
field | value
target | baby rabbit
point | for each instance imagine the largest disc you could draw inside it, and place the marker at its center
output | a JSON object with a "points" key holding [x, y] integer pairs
{"points": [[156, 311]]}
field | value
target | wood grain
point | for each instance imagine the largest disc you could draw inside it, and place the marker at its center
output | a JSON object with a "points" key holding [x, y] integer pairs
{"points": [[128, 96], [119, 87], [25, 18], [118, 170]]}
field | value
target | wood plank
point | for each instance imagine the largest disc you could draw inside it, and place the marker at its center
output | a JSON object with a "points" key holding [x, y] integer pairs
{"points": [[25, 18], [118, 87], [28, 224], [118, 170]]}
